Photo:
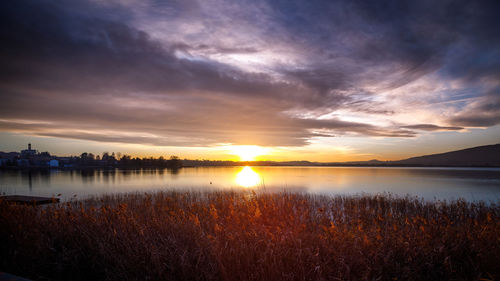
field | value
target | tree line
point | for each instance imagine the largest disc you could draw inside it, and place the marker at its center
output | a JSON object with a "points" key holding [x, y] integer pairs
{"points": [[126, 161]]}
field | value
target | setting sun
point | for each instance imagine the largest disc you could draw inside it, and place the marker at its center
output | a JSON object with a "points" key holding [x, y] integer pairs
{"points": [[248, 152]]}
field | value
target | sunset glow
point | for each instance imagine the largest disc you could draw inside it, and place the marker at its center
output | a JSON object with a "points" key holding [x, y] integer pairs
{"points": [[248, 152], [250, 140], [293, 80]]}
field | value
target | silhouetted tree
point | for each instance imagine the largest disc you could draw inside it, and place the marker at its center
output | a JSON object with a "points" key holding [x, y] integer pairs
{"points": [[174, 162]]}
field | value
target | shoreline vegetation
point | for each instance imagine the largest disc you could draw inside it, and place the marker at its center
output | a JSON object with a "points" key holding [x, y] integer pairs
{"points": [[244, 235], [478, 157]]}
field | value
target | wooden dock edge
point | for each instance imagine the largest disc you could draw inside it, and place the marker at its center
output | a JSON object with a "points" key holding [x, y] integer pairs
{"points": [[29, 200]]}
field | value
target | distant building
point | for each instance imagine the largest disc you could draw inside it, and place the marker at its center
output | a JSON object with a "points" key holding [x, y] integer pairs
{"points": [[53, 163], [28, 153], [23, 163], [8, 158]]}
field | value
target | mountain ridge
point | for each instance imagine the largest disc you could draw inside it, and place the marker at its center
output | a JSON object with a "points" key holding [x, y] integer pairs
{"points": [[486, 155]]}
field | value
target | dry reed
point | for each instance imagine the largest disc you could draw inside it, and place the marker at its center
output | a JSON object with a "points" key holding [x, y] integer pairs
{"points": [[247, 236]]}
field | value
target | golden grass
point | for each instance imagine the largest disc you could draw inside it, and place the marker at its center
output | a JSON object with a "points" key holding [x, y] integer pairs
{"points": [[247, 236]]}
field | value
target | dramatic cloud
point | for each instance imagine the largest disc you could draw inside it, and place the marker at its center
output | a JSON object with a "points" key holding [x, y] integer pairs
{"points": [[485, 111], [278, 73], [431, 127]]}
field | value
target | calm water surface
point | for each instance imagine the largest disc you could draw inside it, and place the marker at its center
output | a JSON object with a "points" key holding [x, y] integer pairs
{"points": [[472, 184]]}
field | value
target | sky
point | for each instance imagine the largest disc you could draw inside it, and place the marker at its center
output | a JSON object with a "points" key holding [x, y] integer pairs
{"points": [[314, 80]]}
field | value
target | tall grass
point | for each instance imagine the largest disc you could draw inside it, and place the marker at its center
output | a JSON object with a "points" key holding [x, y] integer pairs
{"points": [[247, 236]]}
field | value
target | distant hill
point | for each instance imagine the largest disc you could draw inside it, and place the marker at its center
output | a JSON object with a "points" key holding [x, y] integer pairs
{"points": [[373, 162], [481, 156], [488, 155]]}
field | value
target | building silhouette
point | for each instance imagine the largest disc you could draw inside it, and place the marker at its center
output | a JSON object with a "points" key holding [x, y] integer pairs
{"points": [[28, 153]]}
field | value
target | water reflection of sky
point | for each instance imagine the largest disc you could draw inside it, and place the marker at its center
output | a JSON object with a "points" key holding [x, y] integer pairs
{"points": [[430, 183]]}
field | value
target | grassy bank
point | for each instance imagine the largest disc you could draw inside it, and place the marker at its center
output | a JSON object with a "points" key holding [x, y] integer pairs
{"points": [[248, 236]]}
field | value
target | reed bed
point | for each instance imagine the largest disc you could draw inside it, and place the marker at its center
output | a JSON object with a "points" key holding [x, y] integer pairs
{"points": [[231, 235]]}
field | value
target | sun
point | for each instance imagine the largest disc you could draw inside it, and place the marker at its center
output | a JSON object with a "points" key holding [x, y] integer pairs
{"points": [[247, 152]]}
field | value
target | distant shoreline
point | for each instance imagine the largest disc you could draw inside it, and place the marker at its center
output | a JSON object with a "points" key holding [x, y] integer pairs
{"points": [[479, 157], [236, 165]]}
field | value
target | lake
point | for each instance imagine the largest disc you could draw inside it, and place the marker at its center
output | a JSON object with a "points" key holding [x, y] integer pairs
{"points": [[472, 184]]}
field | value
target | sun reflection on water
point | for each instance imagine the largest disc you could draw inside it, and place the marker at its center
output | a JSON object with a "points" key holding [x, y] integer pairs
{"points": [[247, 177]]}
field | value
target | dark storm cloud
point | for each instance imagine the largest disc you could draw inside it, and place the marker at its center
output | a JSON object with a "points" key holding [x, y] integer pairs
{"points": [[56, 49], [88, 69], [485, 112], [213, 49], [414, 35], [431, 127]]}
